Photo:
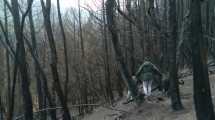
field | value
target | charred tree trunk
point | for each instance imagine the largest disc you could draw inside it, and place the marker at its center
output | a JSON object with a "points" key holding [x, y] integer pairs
{"points": [[65, 50], [13, 87], [21, 59], [141, 22], [41, 96], [202, 94], [56, 81], [119, 84], [110, 7], [165, 60], [174, 87], [10, 110], [106, 59], [1, 109], [84, 87], [131, 39]]}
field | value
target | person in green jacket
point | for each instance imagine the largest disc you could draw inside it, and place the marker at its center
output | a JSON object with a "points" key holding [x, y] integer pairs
{"points": [[147, 75]]}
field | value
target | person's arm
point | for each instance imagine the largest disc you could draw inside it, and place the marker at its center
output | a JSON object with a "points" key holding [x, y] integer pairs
{"points": [[139, 71], [156, 70]]}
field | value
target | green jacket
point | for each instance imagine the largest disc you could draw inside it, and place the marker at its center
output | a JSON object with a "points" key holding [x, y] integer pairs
{"points": [[147, 71]]}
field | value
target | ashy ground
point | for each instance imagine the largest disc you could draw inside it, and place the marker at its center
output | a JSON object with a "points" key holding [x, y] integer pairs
{"points": [[152, 109]]}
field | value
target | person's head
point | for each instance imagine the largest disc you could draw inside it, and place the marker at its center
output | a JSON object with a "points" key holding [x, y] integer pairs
{"points": [[147, 58]]}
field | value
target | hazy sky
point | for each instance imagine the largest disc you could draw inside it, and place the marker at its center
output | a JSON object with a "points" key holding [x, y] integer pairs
{"points": [[65, 4]]}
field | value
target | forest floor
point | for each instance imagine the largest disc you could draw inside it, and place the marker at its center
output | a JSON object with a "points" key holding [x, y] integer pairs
{"points": [[152, 109]]}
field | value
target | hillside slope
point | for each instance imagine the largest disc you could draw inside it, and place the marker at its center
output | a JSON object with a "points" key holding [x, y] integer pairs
{"points": [[152, 109]]}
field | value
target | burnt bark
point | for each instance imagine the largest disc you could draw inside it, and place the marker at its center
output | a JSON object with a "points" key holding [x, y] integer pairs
{"points": [[110, 12], [21, 58], [84, 86], [202, 93], [56, 81], [131, 39], [40, 91], [173, 69], [106, 59], [65, 50]]}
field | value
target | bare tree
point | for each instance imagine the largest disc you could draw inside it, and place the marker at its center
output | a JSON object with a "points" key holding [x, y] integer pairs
{"points": [[46, 8], [106, 58], [65, 50], [40, 90], [110, 7], [7, 59], [83, 66], [131, 38], [202, 93], [20, 59], [174, 86]]}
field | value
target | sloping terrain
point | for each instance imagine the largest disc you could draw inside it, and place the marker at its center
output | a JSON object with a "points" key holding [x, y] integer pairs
{"points": [[152, 109]]}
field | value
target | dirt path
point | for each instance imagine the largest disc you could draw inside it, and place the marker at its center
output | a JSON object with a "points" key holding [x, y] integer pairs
{"points": [[152, 110]]}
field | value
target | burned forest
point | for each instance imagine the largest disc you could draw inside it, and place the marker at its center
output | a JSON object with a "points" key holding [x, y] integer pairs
{"points": [[107, 59]]}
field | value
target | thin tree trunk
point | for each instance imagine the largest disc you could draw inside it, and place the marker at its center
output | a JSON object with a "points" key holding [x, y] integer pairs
{"points": [[41, 96], [56, 81], [83, 61], [174, 87], [65, 51], [165, 60], [11, 91], [141, 23], [131, 39], [7, 63], [106, 59], [21, 59], [44, 81], [1, 109]]}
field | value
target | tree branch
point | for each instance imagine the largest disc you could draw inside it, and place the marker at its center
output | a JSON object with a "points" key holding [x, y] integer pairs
{"points": [[126, 16], [7, 41], [8, 5], [26, 13]]}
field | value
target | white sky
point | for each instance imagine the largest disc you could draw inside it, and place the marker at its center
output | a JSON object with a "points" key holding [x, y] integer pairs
{"points": [[66, 4]]}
